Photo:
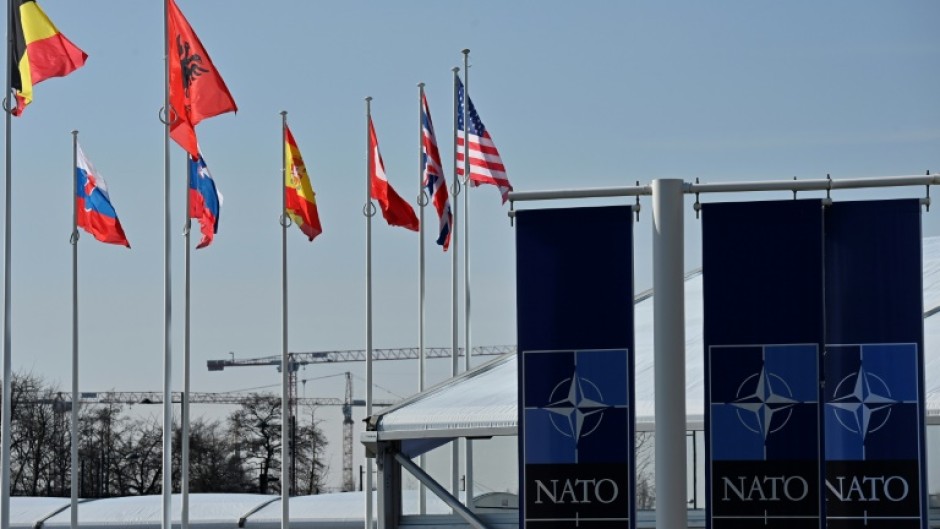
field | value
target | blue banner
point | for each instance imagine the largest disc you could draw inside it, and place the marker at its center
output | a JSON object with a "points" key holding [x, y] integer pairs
{"points": [[763, 330], [814, 364], [873, 368], [574, 300]]}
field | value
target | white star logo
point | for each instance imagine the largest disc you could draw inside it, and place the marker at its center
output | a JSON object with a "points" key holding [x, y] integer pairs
{"points": [[766, 402], [862, 406], [568, 401]]}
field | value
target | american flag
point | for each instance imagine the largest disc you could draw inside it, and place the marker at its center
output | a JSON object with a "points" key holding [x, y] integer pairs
{"points": [[486, 166], [434, 180]]}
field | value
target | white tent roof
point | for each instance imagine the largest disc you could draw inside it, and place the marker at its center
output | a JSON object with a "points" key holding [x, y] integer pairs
{"points": [[483, 401]]}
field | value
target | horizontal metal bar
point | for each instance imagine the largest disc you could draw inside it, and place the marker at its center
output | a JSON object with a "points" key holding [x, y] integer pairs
{"points": [[818, 184], [596, 192]]}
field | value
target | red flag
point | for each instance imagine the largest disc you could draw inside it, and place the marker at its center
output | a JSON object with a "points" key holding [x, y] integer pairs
{"points": [[197, 91], [396, 211]]}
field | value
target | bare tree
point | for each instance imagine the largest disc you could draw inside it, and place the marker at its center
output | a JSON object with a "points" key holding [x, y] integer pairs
{"points": [[37, 436], [310, 455], [645, 471], [257, 425], [137, 458], [214, 465]]}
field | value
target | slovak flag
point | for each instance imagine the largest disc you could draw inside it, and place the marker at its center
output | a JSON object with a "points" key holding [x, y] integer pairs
{"points": [[434, 175], [205, 201], [94, 212], [486, 165]]}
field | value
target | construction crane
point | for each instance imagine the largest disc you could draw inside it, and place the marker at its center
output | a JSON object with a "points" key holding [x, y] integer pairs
{"points": [[296, 360]]}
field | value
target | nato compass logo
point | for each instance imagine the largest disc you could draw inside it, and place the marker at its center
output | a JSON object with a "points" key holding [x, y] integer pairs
{"points": [[576, 406], [763, 402], [871, 401]]}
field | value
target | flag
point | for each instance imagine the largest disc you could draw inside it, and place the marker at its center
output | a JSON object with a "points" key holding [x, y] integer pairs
{"points": [[434, 175], [486, 166], [197, 91], [93, 205], [300, 198], [396, 211], [205, 201], [39, 52]]}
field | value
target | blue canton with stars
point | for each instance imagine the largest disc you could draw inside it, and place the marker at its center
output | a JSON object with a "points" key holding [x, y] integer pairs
{"points": [[764, 402], [576, 407], [872, 409]]}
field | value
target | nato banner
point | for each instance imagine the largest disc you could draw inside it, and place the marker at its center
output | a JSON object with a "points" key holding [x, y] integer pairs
{"points": [[785, 281], [574, 280], [763, 325], [873, 367]]}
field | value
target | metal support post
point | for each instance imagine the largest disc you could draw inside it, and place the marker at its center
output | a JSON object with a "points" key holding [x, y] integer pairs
{"points": [[669, 352]]}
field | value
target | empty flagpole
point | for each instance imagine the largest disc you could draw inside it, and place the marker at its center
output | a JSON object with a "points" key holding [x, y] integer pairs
{"points": [[7, 358], [368, 211], [73, 420], [285, 360], [422, 202], [455, 312], [167, 490], [184, 399], [468, 458]]}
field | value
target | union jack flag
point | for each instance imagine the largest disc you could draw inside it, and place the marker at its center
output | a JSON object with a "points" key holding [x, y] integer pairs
{"points": [[433, 173], [486, 166]]}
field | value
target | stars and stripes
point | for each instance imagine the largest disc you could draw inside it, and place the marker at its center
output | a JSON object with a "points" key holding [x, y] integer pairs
{"points": [[433, 173], [486, 166]]}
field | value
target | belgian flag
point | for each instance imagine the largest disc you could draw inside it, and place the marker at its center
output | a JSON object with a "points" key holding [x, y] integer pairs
{"points": [[39, 51]]}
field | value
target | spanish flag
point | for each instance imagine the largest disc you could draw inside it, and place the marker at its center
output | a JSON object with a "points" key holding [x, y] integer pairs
{"points": [[301, 201], [39, 52]]}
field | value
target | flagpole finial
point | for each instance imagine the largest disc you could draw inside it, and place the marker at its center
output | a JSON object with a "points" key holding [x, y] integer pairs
{"points": [[284, 113], [74, 133], [369, 98], [455, 69], [465, 51], [420, 85]]}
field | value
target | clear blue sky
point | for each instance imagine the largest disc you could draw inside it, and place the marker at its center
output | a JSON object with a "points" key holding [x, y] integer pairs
{"points": [[574, 94]]}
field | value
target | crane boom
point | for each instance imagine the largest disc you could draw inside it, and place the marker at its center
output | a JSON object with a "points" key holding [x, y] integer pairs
{"points": [[155, 397], [357, 355]]}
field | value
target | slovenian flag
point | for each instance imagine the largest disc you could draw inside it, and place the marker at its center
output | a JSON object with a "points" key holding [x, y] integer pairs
{"points": [[205, 201], [94, 212]]}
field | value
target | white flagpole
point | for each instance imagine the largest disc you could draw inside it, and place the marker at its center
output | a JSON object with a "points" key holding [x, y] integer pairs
{"points": [[167, 490], [455, 312], [184, 399], [285, 360], [422, 202], [468, 462], [73, 430], [369, 211], [7, 327]]}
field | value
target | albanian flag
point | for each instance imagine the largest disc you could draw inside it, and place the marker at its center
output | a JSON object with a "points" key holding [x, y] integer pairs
{"points": [[39, 52], [197, 91]]}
